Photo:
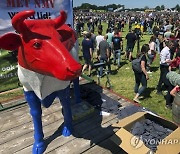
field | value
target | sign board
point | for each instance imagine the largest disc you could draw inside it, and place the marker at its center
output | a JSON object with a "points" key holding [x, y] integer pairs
{"points": [[45, 9]]}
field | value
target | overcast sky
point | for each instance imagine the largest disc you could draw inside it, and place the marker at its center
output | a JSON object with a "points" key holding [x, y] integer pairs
{"points": [[130, 3]]}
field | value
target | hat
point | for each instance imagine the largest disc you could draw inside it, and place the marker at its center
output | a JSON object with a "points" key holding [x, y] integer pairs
{"points": [[84, 32]]}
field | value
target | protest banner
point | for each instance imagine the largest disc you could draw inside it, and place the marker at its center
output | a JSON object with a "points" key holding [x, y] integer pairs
{"points": [[44, 9]]}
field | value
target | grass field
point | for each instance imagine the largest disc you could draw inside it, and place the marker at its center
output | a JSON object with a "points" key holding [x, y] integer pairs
{"points": [[122, 80]]}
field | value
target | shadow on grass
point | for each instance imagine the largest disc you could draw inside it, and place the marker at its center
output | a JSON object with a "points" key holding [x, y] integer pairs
{"points": [[113, 72], [147, 93], [142, 40], [154, 69]]}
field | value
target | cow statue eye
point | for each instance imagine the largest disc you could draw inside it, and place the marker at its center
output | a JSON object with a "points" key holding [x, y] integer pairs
{"points": [[37, 45]]}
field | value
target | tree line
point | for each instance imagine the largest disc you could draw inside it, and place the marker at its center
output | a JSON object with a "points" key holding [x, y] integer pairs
{"points": [[86, 6]]}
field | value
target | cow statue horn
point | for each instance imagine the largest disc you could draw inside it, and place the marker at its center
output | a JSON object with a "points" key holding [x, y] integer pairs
{"points": [[18, 20], [59, 21]]}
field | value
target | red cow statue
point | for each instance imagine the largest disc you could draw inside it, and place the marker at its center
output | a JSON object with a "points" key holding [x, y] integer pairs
{"points": [[45, 66]]}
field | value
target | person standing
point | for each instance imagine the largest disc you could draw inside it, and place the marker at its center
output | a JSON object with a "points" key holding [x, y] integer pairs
{"points": [[117, 45], [141, 77], [104, 54], [87, 53], [165, 60]]}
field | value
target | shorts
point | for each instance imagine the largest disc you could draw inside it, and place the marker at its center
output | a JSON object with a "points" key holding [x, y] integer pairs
{"points": [[88, 61], [129, 49]]}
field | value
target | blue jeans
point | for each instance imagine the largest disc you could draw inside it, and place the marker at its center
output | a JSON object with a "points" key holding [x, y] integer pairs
{"points": [[150, 60], [117, 55], [140, 78], [150, 30], [158, 46]]}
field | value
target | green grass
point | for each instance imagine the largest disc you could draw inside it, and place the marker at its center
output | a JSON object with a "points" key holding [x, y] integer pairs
{"points": [[11, 95], [123, 80], [6, 80]]}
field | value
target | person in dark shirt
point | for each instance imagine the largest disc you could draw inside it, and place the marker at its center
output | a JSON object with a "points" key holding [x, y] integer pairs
{"points": [[87, 53], [93, 39], [131, 40], [150, 25], [104, 54], [117, 45], [177, 32], [138, 33], [141, 77]]}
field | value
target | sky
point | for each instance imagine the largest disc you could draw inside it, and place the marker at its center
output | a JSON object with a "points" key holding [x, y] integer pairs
{"points": [[130, 3]]}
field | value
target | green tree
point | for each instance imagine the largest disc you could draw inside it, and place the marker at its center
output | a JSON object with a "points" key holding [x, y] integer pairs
{"points": [[114, 6], [146, 7], [85, 6], [162, 7], [177, 7], [158, 8], [94, 7]]}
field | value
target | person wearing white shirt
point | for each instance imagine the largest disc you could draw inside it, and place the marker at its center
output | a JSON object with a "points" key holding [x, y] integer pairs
{"points": [[164, 69], [151, 52], [99, 38]]}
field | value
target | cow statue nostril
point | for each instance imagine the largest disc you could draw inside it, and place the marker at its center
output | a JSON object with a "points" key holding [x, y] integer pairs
{"points": [[74, 71]]}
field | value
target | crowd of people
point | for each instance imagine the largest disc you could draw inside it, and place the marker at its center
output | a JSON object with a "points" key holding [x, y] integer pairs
{"points": [[163, 30]]}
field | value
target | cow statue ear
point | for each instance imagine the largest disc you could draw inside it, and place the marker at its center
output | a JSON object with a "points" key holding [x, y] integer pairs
{"points": [[10, 41]]}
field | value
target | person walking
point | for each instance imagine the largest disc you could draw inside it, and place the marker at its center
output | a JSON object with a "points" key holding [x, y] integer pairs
{"points": [[87, 53], [141, 77], [93, 39], [99, 38], [151, 52], [137, 31], [165, 60], [131, 40], [109, 38], [117, 45], [104, 54]]}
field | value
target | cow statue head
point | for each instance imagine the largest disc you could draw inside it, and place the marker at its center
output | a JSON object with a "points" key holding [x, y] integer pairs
{"points": [[43, 45]]}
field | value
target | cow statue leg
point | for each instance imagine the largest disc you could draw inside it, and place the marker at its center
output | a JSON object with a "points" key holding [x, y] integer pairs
{"points": [[36, 113], [64, 97], [77, 90], [46, 102]]}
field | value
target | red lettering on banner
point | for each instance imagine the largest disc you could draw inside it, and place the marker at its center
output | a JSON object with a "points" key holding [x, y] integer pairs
{"points": [[10, 3], [17, 3], [45, 3]]}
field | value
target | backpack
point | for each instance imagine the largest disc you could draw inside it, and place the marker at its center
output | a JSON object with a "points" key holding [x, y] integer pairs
{"points": [[136, 65]]}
